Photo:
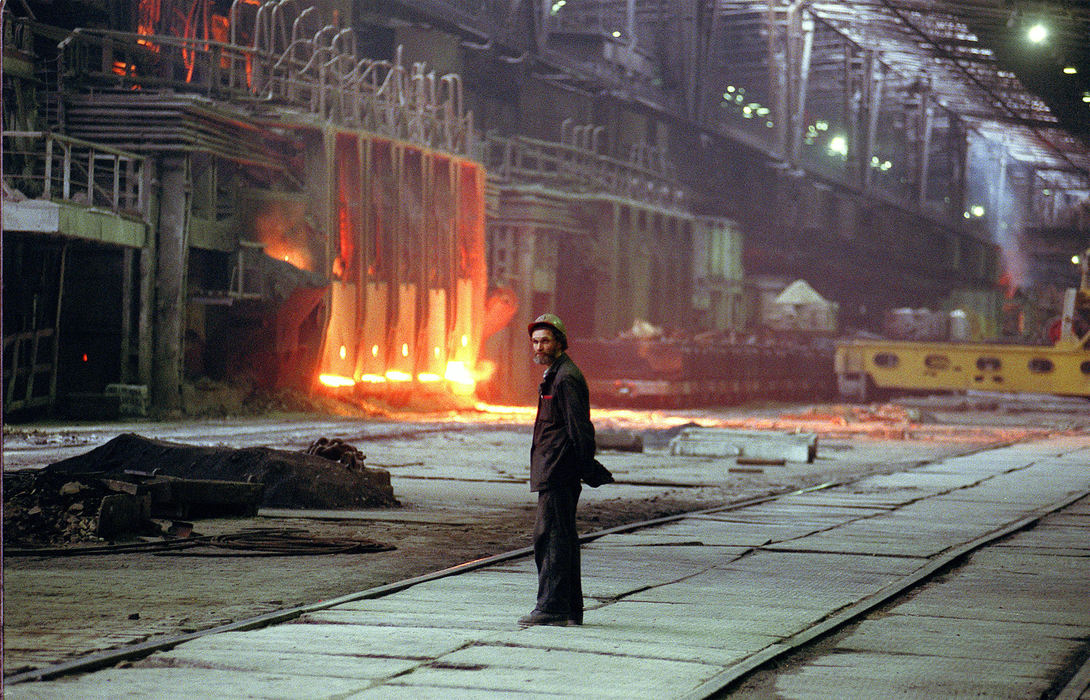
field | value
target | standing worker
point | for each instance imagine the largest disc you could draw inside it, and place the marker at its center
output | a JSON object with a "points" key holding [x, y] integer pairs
{"points": [[563, 450]]}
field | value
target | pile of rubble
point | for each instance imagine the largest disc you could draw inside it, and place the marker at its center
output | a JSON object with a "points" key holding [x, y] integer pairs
{"points": [[290, 479], [846, 414], [46, 508], [118, 489]]}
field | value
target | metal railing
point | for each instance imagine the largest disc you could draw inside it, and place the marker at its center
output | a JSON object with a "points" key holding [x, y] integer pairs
{"points": [[599, 17], [290, 61], [44, 165], [576, 165]]}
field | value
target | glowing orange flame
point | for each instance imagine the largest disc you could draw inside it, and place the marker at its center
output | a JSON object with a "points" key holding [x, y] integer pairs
{"points": [[150, 13], [335, 380], [461, 379]]}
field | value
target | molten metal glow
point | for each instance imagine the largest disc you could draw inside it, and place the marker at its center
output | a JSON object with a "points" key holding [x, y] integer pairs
{"points": [[343, 352], [460, 377], [295, 257], [149, 15], [373, 379], [281, 228], [336, 380], [427, 377], [398, 376]]}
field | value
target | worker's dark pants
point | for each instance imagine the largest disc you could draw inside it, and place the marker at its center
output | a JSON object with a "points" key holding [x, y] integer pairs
{"points": [[556, 550]]}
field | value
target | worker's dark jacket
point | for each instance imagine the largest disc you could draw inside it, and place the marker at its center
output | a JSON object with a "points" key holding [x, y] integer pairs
{"points": [[563, 433]]}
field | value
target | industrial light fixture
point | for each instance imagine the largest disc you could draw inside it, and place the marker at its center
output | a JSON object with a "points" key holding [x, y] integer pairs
{"points": [[977, 210], [1075, 260], [838, 145], [1070, 70], [1037, 33]]}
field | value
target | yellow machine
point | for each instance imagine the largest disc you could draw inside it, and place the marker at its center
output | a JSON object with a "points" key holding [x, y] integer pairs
{"points": [[865, 368]]}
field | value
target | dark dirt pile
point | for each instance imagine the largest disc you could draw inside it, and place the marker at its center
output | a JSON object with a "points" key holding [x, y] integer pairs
{"points": [[291, 479]]}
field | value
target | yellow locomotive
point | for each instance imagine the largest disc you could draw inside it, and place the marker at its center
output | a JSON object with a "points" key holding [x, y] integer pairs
{"points": [[868, 368]]}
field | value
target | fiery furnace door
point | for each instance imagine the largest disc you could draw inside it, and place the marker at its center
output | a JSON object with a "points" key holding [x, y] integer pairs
{"points": [[409, 270]]}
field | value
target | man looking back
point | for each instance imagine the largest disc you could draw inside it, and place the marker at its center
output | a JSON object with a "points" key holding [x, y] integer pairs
{"points": [[563, 445]]}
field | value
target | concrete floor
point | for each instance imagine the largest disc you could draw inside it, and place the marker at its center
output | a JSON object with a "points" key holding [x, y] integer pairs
{"points": [[676, 609], [460, 471]]}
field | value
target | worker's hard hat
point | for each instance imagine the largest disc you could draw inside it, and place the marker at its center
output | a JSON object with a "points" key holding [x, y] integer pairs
{"points": [[548, 321]]}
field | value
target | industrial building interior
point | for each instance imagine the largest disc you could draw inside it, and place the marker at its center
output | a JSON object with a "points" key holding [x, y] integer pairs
{"points": [[372, 198]]}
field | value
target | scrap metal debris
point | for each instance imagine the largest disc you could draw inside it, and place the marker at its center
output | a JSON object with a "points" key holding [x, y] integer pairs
{"points": [[54, 509], [117, 490], [845, 414], [339, 451]]}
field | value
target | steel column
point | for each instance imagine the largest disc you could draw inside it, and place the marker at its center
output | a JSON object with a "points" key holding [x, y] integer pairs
{"points": [[149, 201], [126, 313], [57, 330], [852, 110], [777, 81], [800, 40], [923, 157], [872, 90], [170, 288]]}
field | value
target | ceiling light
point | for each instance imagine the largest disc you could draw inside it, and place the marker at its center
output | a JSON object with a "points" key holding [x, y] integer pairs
{"points": [[1070, 70], [1037, 33]]}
